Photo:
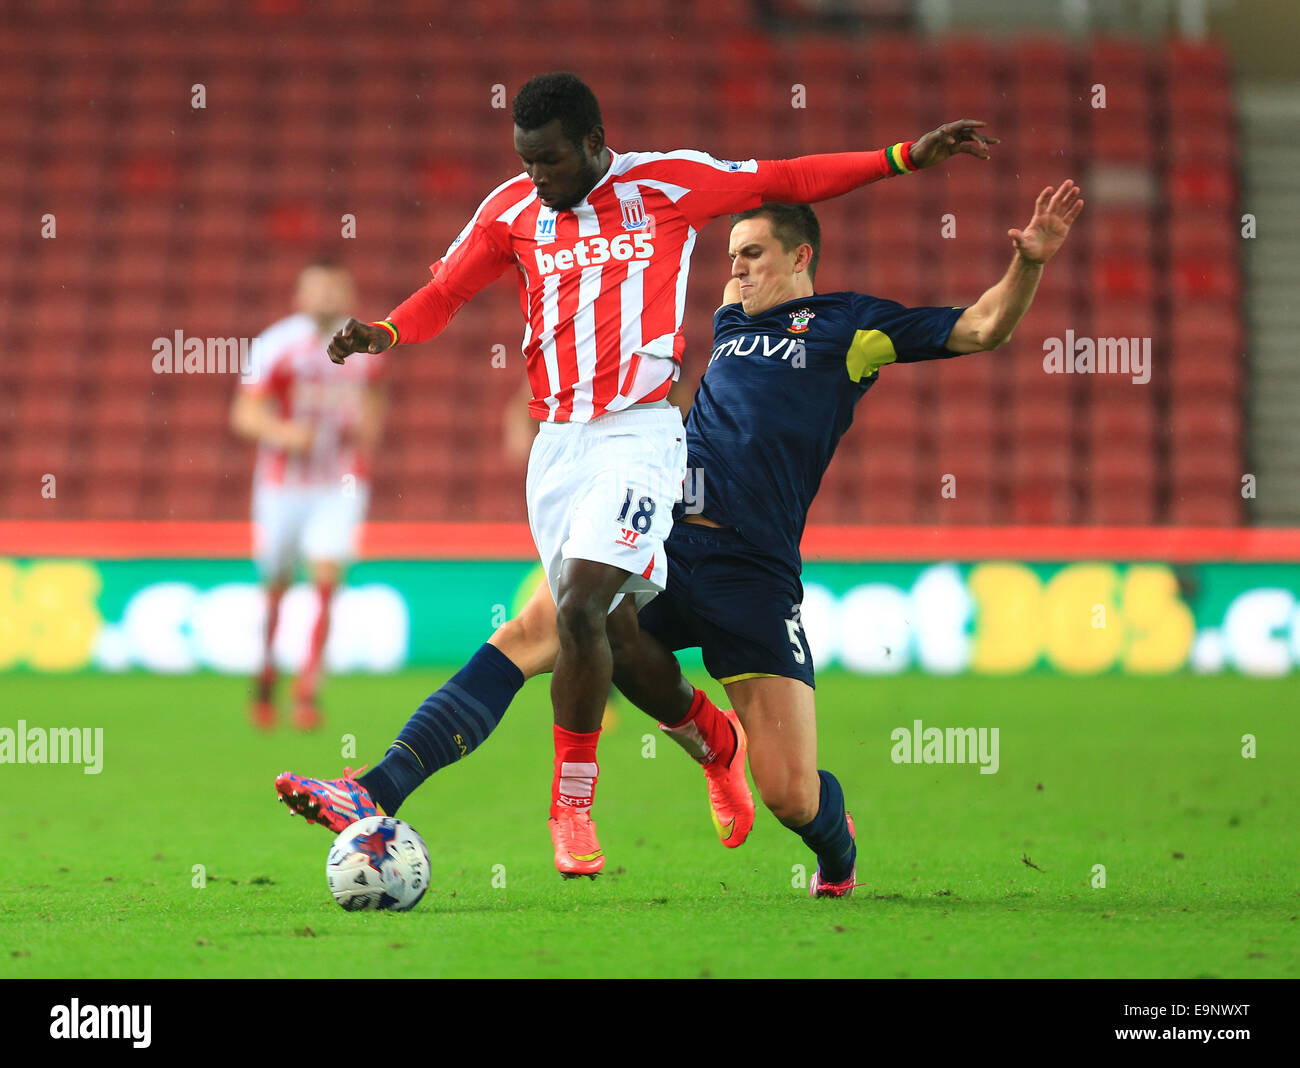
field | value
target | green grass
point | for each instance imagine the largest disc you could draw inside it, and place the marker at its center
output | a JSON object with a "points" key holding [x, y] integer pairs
{"points": [[1143, 776]]}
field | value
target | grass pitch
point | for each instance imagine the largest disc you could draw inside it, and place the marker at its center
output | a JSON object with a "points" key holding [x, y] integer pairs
{"points": [[966, 875]]}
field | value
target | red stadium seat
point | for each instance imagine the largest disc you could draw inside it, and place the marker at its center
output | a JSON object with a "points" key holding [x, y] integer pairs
{"points": [[1190, 102], [1191, 141], [1198, 62], [1211, 329], [1121, 142], [974, 505], [1214, 234], [1038, 503], [114, 496], [1125, 278], [960, 485], [1205, 418], [1126, 507], [1117, 230], [1205, 280], [1043, 461], [1199, 506], [32, 458], [1041, 77], [1127, 58], [1202, 187], [1122, 426], [1122, 485], [1198, 370], [1206, 464]]}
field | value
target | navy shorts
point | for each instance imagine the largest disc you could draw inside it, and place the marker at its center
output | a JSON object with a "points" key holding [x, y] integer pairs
{"points": [[739, 605]]}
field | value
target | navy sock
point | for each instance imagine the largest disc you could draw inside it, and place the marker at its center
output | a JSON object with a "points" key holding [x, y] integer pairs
{"points": [[828, 834], [449, 724]]}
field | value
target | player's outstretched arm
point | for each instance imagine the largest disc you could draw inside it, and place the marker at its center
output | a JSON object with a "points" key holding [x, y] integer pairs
{"points": [[989, 322], [809, 179], [356, 336]]}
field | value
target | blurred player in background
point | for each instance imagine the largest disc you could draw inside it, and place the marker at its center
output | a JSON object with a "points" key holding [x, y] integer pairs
{"points": [[316, 425]]}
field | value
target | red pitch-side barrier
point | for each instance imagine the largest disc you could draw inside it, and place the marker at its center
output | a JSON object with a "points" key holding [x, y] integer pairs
{"points": [[512, 541]]}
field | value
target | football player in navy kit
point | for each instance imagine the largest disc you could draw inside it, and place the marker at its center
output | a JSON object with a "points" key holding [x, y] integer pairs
{"points": [[788, 366]]}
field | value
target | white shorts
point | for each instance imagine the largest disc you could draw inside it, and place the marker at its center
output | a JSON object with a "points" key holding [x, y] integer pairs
{"points": [[293, 523], [605, 491]]}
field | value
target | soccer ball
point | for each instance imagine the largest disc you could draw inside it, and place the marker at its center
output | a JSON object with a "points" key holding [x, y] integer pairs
{"points": [[378, 863]]}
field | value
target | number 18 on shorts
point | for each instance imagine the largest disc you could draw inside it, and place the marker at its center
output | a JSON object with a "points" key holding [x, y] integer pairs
{"points": [[605, 491]]}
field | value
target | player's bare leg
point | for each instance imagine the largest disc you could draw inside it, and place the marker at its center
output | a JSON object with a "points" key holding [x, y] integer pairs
{"points": [[262, 708], [779, 715], [649, 676], [530, 639], [780, 718], [584, 666], [325, 576], [580, 684]]}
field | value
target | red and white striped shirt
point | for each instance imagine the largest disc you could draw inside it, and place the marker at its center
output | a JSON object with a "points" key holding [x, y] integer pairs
{"points": [[603, 286], [292, 368]]}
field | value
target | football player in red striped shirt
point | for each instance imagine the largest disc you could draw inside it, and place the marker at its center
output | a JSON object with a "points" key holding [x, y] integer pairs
{"points": [[316, 427], [601, 243]]}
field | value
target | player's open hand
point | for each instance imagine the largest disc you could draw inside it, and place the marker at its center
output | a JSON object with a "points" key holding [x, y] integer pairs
{"points": [[951, 139], [1054, 213], [358, 337]]}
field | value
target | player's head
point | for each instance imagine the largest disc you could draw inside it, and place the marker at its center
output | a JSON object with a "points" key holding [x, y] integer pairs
{"points": [[325, 290], [774, 251], [559, 137]]}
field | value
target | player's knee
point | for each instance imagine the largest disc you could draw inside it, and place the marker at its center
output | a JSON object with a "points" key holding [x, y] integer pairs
{"points": [[793, 800], [624, 633], [528, 651], [579, 618], [518, 631]]}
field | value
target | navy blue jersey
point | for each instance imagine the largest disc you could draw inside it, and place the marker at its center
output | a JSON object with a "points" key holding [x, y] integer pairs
{"points": [[777, 396]]}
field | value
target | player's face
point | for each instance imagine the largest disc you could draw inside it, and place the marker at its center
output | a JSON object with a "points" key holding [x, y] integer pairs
{"points": [[768, 275], [563, 172], [325, 293]]}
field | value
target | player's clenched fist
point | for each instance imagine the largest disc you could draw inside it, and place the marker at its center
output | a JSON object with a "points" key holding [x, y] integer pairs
{"points": [[358, 337]]}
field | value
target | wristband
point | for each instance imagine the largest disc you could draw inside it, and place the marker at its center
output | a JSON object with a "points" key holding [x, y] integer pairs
{"points": [[389, 327], [899, 157]]}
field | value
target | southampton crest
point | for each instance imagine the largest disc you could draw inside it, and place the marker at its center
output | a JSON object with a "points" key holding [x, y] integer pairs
{"points": [[801, 317]]}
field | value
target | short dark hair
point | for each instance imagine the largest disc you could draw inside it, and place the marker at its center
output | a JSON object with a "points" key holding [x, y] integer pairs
{"points": [[558, 95], [793, 225]]}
